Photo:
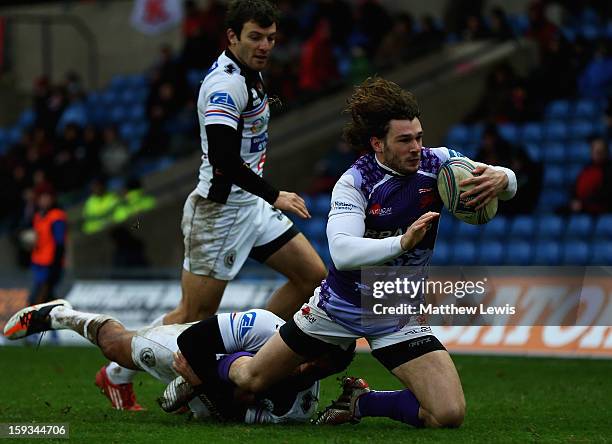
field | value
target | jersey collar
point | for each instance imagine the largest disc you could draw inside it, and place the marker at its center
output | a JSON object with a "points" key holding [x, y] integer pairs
{"points": [[388, 170], [244, 69]]}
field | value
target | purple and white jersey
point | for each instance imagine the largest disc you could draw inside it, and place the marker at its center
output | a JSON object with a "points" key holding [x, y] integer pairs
{"points": [[372, 206]]}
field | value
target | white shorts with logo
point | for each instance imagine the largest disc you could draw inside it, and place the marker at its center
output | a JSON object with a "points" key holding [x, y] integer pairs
{"points": [[219, 237], [313, 321]]}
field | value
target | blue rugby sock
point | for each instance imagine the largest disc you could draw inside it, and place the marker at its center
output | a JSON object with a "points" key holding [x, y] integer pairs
{"points": [[224, 364], [400, 405]]}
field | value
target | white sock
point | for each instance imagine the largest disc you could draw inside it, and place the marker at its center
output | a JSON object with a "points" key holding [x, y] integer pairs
{"points": [[85, 324], [121, 375]]}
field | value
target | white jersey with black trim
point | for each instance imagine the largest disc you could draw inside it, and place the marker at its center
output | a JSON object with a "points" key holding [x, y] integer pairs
{"points": [[247, 330], [229, 96]]}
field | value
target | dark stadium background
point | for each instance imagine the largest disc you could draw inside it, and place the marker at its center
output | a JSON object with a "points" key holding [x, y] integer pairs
{"points": [[87, 95]]}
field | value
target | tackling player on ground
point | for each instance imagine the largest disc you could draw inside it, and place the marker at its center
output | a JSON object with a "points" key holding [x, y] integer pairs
{"points": [[390, 190], [234, 213], [153, 349]]}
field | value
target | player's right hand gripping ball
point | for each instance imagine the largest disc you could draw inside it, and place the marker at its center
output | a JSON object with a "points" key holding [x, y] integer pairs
{"points": [[452, 172]]}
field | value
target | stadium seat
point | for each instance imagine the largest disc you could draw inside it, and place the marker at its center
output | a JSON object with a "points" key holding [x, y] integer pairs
{"points": [[555, 131], [547, 253], [579, 153], [549, 227], [128, 97], [573, 172], [575, 253], [554, 153], [467, 231], [27, 118], [446, 227], [458, 135], [495, 229], [463, 253], [586, 108], [508, 131], [603, 227], [550, 200], [522, 227], [590, 32], [127, 131], [441, 255], [13, 135], [109, 98], [136, 113], [118, 114], [534, 151], [559, 109], [491, 253], [579, 226], [138, 81], [601, 253], [518, 252], [315, 229], [532, 132], [119, 82], [554, 176], [320, 205], [581, 130]]}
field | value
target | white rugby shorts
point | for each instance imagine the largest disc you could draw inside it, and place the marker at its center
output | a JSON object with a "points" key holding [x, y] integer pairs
{"points": [[218, 237]]}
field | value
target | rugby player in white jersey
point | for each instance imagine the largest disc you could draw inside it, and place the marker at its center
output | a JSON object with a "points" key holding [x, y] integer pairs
{"points": [[390, 190], [234, 213], [152, 350]]}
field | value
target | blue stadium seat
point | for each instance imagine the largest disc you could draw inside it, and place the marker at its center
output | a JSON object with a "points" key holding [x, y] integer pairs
{"points": [[508, 131], [556, 131], [467, 231], [608, 30], [549, 226], [463, 253], [559, 109], [109, 98], [441, 255], [458, 134], [320, 205], [136, 113], [13, 135], [550, 200], [495, 229], [603, 227], [522, 227], [554, 176], [142, 128], [601, 253], [491, 253], [119, 82], [532, 132], [569, 33], [27, 118], [579, 153], [576, 253], [590, 32], [547, 253], [586, 108], [118, 114], [138, 81], [127, 131], [581, 129], [534, 150], [314, 230], [579, 226], [128, 96], [518, 252], [573, 171], [447, 225], [554, 153]]}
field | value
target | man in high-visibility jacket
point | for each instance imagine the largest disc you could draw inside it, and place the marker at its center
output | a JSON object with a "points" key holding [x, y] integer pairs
{"points": [[51, 228]]}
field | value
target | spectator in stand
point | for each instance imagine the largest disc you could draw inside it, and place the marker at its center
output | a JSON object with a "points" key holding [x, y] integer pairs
{"points": [[99, 207], [66, 171], [374, 22], [318, 66], [592, 190], [499, 26], [541, 29], [494, 149], [398, 43], [132, 201], [50, 226], [475, 28], [114, 154], [496, 95], [596, 80], [429, 38]]}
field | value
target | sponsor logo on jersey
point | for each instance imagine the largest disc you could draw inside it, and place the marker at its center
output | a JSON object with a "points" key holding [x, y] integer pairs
{"points": [[378, 210], [339, 205], [223, 98], [229, 68], [247, 321], [255, 96], [147, 357], [258, 125], [375, 234]]}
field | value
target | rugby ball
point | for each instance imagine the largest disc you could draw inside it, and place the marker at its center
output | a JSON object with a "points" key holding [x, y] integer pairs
{"points": [[452, 172]]}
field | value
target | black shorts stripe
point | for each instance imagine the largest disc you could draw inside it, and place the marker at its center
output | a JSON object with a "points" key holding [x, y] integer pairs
{"points": [[301, 343], [263, 252], [395, 355]]}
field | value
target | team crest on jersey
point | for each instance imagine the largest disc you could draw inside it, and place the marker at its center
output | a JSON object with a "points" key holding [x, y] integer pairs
{"points": [[223, 98], [148, 357], [247, 321], [230, 258]]}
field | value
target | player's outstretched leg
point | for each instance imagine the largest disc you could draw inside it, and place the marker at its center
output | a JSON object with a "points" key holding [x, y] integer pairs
{"points": [[33, 319]]}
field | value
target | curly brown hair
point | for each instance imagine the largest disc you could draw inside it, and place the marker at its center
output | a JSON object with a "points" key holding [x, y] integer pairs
{"points": [[372, 106]]}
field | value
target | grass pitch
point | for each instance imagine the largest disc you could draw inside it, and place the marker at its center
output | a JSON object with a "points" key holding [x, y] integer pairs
{"points": [[508, 399]]}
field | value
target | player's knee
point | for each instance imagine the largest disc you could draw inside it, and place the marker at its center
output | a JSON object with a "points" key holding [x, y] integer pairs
{"points": [[451, 415], [109, 346]]}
